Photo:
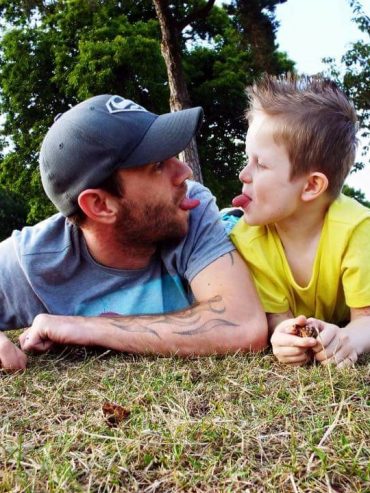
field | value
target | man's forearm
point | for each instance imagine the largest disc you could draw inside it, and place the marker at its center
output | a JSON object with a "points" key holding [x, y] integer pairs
{"points": [[206, 328]]}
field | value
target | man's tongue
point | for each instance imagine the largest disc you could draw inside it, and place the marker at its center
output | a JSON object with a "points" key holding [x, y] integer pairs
{"points": [[187, 204], [241, 201]]}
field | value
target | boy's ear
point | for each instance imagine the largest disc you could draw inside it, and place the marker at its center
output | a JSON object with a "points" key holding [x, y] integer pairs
{"points": [[98, 205], [316, 184]]}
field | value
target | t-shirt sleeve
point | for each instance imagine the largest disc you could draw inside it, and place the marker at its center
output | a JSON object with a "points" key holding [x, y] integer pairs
{"points": [[206, 240], [18, 303], [356, 267]]}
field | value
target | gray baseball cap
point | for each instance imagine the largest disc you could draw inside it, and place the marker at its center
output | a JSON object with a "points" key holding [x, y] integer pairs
{"points": [[87, 143]]}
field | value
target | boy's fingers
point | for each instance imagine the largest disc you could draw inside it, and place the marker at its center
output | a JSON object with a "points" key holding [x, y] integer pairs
{"points": [[330, 349], [344, 354], [288, 351], [292, 340], [348, 361], [295, 360]]}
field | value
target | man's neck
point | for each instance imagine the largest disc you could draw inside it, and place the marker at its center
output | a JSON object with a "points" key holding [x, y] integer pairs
{"points": [[107, 252]]}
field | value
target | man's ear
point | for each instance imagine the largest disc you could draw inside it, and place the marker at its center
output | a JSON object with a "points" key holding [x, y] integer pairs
{"points": [[316, 184], [98, 205]]}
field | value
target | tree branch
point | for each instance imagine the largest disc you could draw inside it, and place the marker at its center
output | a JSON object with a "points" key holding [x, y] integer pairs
{"points": [[196, 14]]}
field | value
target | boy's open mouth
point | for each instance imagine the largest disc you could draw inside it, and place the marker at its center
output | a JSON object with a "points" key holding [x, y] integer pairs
{"points": [[241, 200]]}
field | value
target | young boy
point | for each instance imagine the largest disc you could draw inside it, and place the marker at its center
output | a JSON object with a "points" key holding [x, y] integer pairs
{"points": [[307, 246]]}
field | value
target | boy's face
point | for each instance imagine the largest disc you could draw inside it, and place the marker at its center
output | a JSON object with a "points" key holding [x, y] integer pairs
{"points": [[268, 195]]}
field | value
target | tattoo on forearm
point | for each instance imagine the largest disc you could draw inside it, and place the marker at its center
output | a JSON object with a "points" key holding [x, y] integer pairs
{"points": [[206, 327], [136, 328], [187, 323]]}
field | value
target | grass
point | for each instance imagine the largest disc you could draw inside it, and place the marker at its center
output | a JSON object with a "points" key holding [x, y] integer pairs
{"points": [[233, 424]]}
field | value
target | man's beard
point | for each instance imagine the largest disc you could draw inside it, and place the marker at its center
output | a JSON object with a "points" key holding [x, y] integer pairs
{"points": [[150, 224]]}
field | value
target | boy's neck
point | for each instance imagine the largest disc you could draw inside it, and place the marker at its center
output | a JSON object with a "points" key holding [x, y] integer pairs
{"points": [[305, 224], [300, 237]]}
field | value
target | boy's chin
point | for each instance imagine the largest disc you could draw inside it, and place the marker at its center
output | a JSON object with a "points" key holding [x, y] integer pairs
{"points": [[252, 221]]}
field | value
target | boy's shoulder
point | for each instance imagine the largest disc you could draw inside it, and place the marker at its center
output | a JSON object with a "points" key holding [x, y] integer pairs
{"points": [[347, 210], [237, 228]]}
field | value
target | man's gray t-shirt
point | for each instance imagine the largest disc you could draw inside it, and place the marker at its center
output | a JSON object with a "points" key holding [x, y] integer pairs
{"points": [[47, 268]]}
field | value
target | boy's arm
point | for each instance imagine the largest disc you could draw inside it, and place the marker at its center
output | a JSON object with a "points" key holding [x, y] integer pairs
{"points": [[287, 347], [227, 317], [342, 346]]}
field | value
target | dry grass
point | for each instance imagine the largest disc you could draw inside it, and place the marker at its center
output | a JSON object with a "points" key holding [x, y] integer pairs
{"points": [[233, 424]]}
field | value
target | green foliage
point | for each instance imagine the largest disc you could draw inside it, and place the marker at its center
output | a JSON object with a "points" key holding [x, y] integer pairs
{"points": [[54, 53], [356, 194], [12, 213], [353, 75]]}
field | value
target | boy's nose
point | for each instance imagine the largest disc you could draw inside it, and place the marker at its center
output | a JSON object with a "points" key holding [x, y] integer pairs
{"points": [[245, 176]]}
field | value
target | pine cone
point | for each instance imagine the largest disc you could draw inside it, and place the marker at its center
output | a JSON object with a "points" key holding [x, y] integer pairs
{"points": [[305, 330]]}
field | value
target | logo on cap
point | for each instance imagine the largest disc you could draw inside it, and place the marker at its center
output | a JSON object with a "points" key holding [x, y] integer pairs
{"points": [[117, 104]]}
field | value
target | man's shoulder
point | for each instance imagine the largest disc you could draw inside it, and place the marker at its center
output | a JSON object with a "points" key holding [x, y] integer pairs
{"points": [[198, 190], [206, 239], [49, 236]]}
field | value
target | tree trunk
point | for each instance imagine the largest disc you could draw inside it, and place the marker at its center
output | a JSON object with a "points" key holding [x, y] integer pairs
{"points": [[179, 95]]}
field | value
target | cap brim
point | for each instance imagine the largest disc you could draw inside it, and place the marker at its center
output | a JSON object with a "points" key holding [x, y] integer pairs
{"points": [[166, 137]]}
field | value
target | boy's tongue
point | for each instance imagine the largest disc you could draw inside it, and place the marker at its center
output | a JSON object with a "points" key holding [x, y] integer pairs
{"points": [[241, 201], [187, 204]]}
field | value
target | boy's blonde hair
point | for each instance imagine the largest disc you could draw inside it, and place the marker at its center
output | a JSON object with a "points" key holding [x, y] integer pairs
{"points": [[315, 122]]}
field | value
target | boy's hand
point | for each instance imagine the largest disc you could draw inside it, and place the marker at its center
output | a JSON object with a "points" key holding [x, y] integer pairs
{"points": [[11, 357], [289, 348], [334, 346]]}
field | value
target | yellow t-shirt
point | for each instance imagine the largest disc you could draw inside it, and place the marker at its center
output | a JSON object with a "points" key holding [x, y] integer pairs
{"points": [[341, 271]]}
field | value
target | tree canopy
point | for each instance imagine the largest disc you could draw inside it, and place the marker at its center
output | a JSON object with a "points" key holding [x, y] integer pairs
{"points": [[54, 53]]}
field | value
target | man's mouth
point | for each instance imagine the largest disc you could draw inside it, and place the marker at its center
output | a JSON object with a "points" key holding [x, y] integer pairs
{"points": [[187, 204], [241, 200]]}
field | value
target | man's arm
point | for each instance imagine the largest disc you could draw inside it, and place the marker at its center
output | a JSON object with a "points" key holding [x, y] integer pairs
{"points": [[227, 317]]}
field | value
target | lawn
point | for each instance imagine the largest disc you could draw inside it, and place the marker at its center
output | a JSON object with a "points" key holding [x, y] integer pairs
{"points": [[238, 423]]}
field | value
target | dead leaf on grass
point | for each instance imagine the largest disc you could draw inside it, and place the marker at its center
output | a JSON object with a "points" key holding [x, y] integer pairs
{"points": [[114, 413]]}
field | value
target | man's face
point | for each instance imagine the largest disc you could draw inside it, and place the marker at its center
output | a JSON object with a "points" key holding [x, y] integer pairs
{"points": [[270, 196], [154, 207]]}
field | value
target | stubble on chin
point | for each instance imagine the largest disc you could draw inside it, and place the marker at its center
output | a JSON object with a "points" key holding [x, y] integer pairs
{"points": [[151, 224]]}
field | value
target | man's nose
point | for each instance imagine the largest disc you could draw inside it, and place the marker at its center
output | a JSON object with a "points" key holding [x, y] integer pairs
{"points": [[182, 172]]}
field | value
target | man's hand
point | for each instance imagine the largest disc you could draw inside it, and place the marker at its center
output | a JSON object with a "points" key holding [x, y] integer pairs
{"points": [[11, 358], [334, 346], [47, 330], [289, 348]]}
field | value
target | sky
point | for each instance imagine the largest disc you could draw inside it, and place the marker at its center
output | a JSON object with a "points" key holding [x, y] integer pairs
{"points": [[311, 30]]}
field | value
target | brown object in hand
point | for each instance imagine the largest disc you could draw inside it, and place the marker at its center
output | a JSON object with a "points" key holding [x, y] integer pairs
{"points": [[114, 413], [305, 330]]}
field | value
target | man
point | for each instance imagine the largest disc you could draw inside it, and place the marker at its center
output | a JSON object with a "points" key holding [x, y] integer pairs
{"points": [[133, 238]]}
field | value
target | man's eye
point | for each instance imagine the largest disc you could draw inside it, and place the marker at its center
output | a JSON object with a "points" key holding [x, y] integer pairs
{"points": [[158, 165]]}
